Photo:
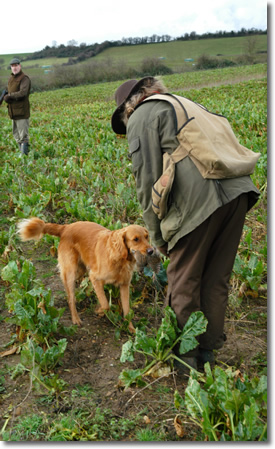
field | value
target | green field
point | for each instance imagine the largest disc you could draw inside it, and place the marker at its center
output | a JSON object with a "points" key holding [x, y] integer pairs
{"points": [[175, 53], [65, 387], [172, 54]]}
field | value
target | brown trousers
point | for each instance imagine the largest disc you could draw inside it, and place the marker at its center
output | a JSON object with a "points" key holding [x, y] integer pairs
{"points": [[200, 268]]}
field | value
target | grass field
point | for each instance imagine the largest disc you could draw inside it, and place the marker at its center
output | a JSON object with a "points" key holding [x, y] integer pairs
{"points": [[173, 54], [60, 384]]}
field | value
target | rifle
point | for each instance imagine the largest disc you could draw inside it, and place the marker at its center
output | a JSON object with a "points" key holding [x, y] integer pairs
{"points": [[4, 92]]}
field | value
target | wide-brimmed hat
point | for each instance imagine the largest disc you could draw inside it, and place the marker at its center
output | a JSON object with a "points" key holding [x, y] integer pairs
{"points": [[15, 61], [123, 94]]}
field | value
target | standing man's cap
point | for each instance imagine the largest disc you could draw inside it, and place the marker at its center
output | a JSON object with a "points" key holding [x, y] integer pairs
{"points": [[15, 61]]}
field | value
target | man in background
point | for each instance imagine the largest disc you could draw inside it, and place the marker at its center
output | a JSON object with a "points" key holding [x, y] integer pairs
{"points": [[19, 86]]}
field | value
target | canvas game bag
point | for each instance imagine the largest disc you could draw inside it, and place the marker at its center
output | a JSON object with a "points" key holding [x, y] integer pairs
{"points": [[208, 140]]}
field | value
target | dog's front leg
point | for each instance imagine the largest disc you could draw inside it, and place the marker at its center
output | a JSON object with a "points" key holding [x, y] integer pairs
{"points": [[124, 296], [99, 290]]}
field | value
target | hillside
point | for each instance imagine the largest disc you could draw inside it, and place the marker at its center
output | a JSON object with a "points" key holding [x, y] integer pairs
{"points": [[178, 56], [175, 53]]}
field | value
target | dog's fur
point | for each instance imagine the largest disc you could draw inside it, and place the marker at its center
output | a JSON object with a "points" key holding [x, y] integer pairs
{"points": [[108, 256]]}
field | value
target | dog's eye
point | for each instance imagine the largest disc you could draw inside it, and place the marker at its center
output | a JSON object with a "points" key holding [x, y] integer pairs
{"points": [[136, 239]]}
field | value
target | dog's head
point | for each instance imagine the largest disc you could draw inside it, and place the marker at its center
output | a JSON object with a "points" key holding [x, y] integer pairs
{"points": [[131, 239], [137, 239]]}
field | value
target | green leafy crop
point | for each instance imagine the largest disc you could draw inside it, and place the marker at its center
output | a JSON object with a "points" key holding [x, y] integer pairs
{"points": [[158, 345], [227, 406], [32, 311]]}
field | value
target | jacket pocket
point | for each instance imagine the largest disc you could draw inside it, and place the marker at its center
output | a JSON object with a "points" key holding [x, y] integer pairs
{"points": [[17, 109], [171, 223], [135, 153], [162, 188]]}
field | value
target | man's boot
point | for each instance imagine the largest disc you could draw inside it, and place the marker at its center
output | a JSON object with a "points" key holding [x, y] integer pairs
{"points": [[24, 147]]}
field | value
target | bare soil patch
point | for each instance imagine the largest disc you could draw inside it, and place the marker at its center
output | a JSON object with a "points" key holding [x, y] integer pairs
{"points": [[92, 358]]}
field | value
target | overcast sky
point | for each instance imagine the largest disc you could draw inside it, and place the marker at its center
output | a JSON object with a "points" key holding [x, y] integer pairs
{"points": [[31, 25]]}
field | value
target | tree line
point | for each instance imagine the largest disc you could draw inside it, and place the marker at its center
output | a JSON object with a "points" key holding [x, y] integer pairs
{"points": [[77, 53]]}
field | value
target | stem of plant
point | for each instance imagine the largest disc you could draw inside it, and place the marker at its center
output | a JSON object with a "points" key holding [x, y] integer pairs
{"points": [[232, 426], [263, 432], [148, 367], [184, 363]]}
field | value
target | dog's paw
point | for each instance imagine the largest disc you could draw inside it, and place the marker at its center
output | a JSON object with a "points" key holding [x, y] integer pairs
{"points": [[76, 320], [100, 311], [131, 328]]}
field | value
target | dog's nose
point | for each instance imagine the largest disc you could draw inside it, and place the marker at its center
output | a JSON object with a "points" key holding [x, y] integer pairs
{"points": [[150, 251]]}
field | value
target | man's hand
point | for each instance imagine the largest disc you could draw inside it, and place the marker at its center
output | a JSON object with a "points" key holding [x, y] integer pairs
{"points": [[8, 98], [163, 249]]}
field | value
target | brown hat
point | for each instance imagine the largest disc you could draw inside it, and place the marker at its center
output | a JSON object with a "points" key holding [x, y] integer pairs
{"points": [[123, 93]]}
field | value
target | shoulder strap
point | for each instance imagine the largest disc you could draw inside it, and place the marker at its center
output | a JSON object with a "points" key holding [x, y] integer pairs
{"points": [[181, 115]]}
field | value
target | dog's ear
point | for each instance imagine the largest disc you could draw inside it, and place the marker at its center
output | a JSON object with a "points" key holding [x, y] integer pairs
{"points": [[119, 247]]}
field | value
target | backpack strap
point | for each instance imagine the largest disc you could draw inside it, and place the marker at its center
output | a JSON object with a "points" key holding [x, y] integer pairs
{"points": [[181, 115]]}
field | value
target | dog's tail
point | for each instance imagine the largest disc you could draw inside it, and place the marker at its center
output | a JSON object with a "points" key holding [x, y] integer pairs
{"points": [[34, 228]]}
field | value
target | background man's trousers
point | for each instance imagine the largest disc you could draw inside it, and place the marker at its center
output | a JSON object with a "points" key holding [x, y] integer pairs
{"points": [[200, 268], [20, 130]]}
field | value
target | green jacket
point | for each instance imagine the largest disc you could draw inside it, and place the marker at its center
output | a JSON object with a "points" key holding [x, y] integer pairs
{"points": [[150, 132], [19, 87]]}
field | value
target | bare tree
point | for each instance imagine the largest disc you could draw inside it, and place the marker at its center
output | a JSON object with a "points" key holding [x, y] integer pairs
{"points": [[250, 47], [72, 43]]}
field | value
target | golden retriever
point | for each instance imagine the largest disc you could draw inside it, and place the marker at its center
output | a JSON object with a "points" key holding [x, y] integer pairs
{"points": [[108, 256]]}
